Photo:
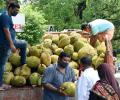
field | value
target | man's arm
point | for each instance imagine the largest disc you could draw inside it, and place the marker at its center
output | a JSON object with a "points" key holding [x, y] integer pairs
{"points": [[50, 87], [8, 36]]}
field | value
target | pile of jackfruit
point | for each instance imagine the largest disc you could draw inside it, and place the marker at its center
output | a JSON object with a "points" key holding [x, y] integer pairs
{"points": [[45, 53]]}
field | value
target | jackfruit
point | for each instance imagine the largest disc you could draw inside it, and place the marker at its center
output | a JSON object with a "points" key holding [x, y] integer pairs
{"points": [[73, 64], [58, 51], [34, 51], [25, 71], [87, 51], [34, 78], [75, 56], [69, 88], [78, 45], [69, 49], [63, 42], [14, 59], [32, 61], [18, 81], [7, 77], [54, 58], [47, 43], [45, 58], [8, 67], [41, 69]]}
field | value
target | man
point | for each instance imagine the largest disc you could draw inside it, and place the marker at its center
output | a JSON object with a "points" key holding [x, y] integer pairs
{"points": [[102, 30], [8, 41], [55, 75], [88, 78]]}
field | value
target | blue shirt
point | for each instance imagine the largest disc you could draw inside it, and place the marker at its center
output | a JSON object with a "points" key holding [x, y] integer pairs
{"points": [[6, 22], [100, 25], [53, 76]]}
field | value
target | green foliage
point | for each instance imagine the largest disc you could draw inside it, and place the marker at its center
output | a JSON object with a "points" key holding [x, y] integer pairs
{"points": [[60, 13], [2, 5], [35, 24]]}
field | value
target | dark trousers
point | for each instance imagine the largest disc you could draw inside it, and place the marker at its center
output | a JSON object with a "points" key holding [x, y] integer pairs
{"points": [[22, 45], [5, 52]]}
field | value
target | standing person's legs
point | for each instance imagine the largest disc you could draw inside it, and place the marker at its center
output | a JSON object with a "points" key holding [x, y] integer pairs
{"points": [[22, 45], [4, 54]]}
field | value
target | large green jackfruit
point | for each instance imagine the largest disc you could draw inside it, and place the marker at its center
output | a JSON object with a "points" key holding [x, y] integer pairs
{"points": [[32, 61], [63, 36], [55, 39], [75, 56], [78, 45], [63, 42], [87, 50], [34, 77], [58, 51], [69, 49], [69, 88], [34, 51], [25, 71], [47, 36], [7, 77], [46, 58], [14, 59], [101, 48], [47, 43], [8, 67], [18, 81], [54, 58], [17, 71], [41, 69], [73, 64]]}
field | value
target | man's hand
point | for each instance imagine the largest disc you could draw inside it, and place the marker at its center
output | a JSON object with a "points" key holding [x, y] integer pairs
{"points": [[61, 91], [13, 48]]}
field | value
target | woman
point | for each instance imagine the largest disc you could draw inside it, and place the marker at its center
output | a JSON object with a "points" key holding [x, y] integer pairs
{"points": [[107, 87], [102, 30]]}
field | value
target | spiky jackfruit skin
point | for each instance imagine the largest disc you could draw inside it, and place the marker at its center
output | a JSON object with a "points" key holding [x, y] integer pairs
{"points": [[14, 59], [69, 88], [18, 81], [7, 77], [32, 61]]}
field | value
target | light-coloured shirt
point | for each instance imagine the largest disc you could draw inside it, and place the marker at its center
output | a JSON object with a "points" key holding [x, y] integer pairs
{"points": [[85, 83], [100, 25]]}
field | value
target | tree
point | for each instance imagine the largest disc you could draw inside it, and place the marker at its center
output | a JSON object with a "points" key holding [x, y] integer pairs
{"points": [[35, 25]]}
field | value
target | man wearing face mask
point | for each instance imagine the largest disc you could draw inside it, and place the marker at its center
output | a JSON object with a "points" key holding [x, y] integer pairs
{"points": [[8, 41], [55, 75]]}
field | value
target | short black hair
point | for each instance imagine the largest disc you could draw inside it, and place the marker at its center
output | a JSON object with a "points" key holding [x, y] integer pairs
{"points": [[84, 26], [63, 54], [14, 5], [86, 60]]}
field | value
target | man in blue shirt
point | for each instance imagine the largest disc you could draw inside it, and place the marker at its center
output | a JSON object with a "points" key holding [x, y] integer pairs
{"points": [[54, 76], [8, 41]]}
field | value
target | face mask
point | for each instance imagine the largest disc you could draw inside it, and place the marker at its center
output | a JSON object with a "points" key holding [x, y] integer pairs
{"points": [[62, 64], [14, 13]]}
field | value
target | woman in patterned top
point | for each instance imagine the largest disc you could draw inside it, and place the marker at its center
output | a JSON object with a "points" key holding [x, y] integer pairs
{"points": [[107, 87]]}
